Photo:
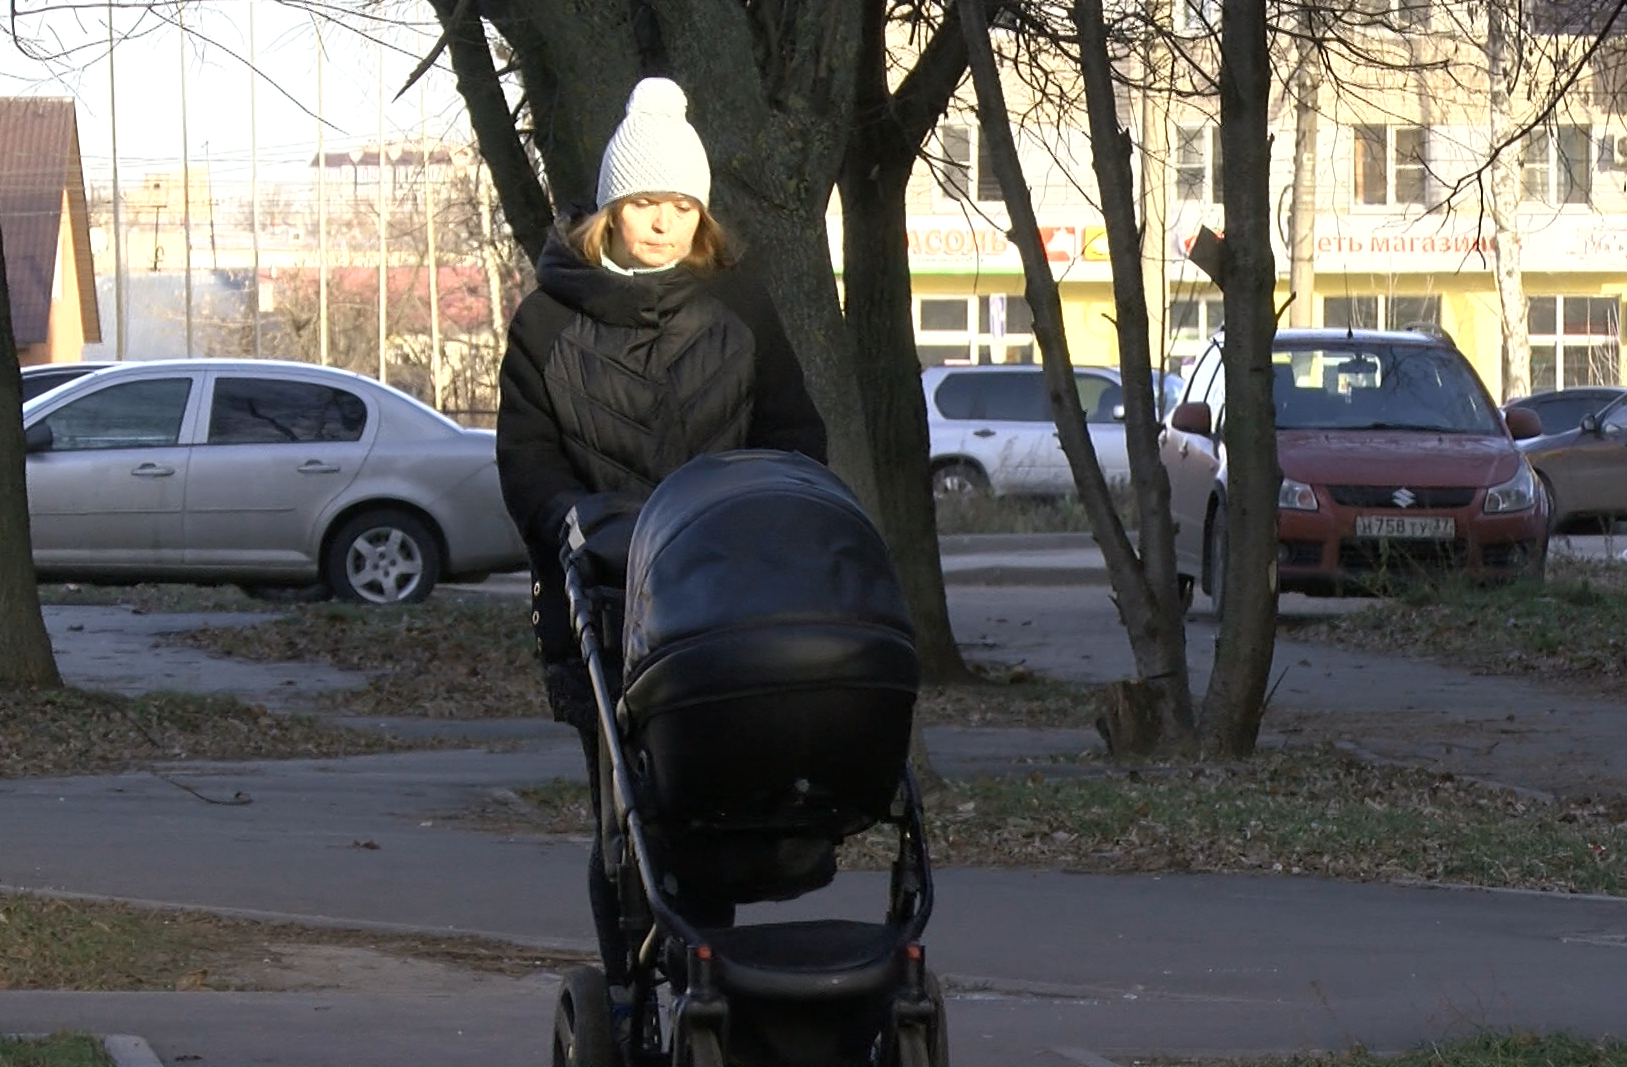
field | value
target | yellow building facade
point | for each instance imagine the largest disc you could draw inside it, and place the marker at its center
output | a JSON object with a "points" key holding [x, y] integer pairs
{"points": [[1402, 232]]}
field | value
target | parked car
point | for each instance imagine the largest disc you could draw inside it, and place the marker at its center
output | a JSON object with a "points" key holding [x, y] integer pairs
{"points": [[41, 378], [1395, 463], [1561, 410], [992, 430], [1584, 470], [260, 473]]}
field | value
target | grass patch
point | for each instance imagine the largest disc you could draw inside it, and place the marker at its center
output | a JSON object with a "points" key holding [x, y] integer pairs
{"points": [[105, 946], [448, 658], [48, 732], [1484, 1050], [1011, 515], [1571, 628], [58, 1050], [1313, 813], [152, 599], [1009, 698]]}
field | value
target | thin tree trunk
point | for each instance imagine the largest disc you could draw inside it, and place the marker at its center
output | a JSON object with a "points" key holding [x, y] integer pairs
{"points": [[1232, 708], [1147, 591], [881, 153], [26, 658], [1505, 201]]}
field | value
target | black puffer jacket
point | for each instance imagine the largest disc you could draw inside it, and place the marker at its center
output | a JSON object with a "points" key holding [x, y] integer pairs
{"points": [[611, 382]]}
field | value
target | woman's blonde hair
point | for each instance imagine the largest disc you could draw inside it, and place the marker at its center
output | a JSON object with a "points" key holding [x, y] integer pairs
{"points": [[709, 252]]}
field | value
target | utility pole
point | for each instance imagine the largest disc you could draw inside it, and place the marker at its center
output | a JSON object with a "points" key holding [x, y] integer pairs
{"points": [[321, 213], [1155, 219], [436, 368], [119, 333], [384, 229], [208, 165], [186, 184], [1302, 214], [254, 181]]}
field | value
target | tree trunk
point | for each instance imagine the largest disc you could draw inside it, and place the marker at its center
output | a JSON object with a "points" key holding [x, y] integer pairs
{"points": [[1147, 587], [1230, 722], [26, 658], [1505, 201], [881, 153]]}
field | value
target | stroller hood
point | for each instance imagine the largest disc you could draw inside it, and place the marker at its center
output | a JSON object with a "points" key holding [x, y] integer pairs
{"points": [[768, 558]]}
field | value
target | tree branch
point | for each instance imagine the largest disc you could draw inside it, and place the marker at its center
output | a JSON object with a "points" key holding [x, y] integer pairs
{"points": [[525, 202]]}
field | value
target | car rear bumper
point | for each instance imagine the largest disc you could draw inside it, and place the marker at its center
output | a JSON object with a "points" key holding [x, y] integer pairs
{"points": [[1320, 552]]}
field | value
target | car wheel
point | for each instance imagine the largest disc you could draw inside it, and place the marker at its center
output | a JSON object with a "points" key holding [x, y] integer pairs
{"points": [[959, 480], [383, 557], [1217, 560], [1553, 504]]}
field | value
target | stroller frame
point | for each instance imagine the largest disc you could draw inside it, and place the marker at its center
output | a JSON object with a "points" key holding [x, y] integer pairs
{"points": [[665, 947]]}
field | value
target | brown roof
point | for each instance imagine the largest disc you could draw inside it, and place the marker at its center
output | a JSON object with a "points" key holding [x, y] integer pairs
{"points": [[39, 162]]}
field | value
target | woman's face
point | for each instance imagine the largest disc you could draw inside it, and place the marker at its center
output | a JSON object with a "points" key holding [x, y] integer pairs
{"points": [[653, 230]]}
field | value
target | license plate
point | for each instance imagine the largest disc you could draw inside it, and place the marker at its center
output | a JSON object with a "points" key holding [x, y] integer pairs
{"points": [[1410, 527]]}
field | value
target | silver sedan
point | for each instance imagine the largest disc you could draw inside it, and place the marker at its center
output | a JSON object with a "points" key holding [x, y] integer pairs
{"points": [[260, 473]]}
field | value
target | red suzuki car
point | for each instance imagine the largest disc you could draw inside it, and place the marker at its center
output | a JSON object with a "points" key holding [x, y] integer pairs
{"points": [[1396, 464]]}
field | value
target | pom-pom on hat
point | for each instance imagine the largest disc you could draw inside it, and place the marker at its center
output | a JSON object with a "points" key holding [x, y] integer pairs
{"points": [[655, 149]]}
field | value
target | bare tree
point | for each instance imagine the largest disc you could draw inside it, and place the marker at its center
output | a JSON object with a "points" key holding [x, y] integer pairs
{"points": [[1144, 582]]}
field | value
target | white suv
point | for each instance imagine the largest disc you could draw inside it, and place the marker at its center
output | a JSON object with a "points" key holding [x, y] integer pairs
{"points": [[991, 428]]}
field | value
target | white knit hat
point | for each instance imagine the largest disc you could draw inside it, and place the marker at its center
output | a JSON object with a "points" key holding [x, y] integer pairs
{"points": [[655, 149]]}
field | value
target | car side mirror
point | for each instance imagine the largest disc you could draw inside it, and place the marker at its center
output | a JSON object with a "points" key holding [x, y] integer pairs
{"points": [[1590, 424], [1118, 412], [1523, 423], [1192, 417], [38, 438]]}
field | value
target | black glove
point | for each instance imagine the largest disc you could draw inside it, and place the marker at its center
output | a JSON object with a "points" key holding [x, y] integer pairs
{"points": [[597, 534], [570, 694]]}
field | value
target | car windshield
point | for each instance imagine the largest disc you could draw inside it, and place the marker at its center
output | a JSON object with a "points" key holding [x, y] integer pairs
{"points": [[1380, 387]]}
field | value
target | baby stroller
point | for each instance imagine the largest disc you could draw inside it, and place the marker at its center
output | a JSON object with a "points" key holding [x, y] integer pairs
{"points": [[755, 673]]}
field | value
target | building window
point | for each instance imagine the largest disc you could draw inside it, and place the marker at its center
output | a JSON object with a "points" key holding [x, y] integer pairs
{"points": [[1197, 16], [944, 331], [967, 165], [1556, 166], [1190, 325], [1391, 164], [1575, 341], [1395, 14], [1380, 312], [1197, 164]]}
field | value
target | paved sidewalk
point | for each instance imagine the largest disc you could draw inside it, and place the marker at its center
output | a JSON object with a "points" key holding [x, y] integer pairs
{"points": [[1043, 968]]}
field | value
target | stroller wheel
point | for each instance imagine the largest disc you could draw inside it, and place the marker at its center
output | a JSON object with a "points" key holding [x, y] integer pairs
{"points": [[704, 1050], [584, 1034], [920, 1045]]}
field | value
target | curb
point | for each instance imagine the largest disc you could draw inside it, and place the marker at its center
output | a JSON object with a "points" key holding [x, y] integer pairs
{"points": [[1001, 574], [127, 1050], [967, 544]]}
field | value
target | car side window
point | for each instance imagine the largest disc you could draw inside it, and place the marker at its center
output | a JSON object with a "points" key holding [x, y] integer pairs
{"points": [[1615, 422], [259, 411], [145, 414], [1098, 397], [1203, 375], [1015, 396]]}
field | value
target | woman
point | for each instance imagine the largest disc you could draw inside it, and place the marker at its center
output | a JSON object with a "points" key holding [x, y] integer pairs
{"points": [[642, 347]]}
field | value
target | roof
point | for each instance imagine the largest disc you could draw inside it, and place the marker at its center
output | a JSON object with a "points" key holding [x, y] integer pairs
{"points": [[39, 162]]}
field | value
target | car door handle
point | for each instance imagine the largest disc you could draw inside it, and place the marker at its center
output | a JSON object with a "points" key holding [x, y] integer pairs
{"points": [[982, 433], [152, 470], [316, 466]]}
